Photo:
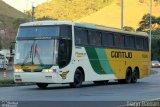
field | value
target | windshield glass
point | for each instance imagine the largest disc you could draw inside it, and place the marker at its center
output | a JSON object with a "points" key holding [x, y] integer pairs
{"points": [[37, 52], [38, 31]]}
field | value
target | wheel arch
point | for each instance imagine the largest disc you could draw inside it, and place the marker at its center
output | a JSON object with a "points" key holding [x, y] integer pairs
{"points": [[82, 70]]}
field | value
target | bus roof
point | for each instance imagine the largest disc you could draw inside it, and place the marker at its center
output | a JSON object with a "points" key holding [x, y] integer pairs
{"points": [[84, 25]]}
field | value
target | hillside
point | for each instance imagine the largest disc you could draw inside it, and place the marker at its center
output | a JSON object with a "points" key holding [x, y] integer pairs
{"points": [[104, 12], [69, 9], [133, 13], [9, 11], [8, 17], [8, 14]]}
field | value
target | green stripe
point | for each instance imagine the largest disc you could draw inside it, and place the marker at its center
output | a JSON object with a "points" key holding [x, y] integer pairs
{"points": [[102, 56], [99, 60], [94, 60]]}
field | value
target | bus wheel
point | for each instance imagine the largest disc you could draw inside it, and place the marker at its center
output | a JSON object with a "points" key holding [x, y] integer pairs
{"points": [[101, 82], [134, 76], [78, 79], [42, 85], [127, 78]]}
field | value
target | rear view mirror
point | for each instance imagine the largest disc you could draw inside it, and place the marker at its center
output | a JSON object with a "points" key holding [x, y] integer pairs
{"points": [[12, 48]]}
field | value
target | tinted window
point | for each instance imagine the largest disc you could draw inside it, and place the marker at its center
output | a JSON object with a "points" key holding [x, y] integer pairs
{"points": [[145, 43], [139, 42], [94, 38], [38, 31], [66, 31], [81, 36], [107, 39], [130, 42], [64, 52], [119, 40]]}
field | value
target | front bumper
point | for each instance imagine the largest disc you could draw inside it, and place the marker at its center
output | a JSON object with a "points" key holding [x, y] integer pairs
{"points": [[37, 77]]}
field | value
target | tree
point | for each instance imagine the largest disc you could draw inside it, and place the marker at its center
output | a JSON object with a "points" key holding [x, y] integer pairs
{"points": [[19, 21], [45, 18], [157, 1], [158, 20], [156, 32], [127, 28], [145, 23]]}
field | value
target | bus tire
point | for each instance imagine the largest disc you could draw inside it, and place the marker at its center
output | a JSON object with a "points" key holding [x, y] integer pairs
{"points": [[78, 79], [42, 85], [104, 82], [134, 76], [128, 77]]}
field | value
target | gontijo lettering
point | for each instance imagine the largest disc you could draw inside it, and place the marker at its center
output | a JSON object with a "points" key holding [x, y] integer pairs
{"points": [[119, 54]]}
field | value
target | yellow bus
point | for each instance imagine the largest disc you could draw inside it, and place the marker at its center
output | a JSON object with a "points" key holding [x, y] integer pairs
{"points": [[67, 52]]}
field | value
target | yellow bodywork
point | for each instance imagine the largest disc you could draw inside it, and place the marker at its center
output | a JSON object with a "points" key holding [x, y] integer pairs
{"points": [[119, 65]]}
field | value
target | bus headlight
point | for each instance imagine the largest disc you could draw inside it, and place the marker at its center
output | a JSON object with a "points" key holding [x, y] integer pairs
{"points": [[18, 70], [47, 70]]}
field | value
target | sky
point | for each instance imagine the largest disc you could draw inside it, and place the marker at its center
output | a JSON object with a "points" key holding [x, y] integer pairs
{"points": [[23, 5]]}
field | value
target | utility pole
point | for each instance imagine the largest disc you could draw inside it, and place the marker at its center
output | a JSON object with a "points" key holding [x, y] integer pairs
{"points": [[33, 11], [150, 38], [122, 14]]}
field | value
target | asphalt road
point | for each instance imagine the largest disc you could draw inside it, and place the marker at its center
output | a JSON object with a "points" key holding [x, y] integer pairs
{"points": [[145, 89]]}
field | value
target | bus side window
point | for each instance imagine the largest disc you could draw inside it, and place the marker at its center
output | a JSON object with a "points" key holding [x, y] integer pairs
{"points": [[119, 40], [95, 38], [139, 43], [146, 47], [107, 40], [81, 36], [130, 42]]}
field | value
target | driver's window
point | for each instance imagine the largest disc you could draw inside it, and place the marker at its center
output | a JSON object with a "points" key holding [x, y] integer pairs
{"points": [[65, 48]]}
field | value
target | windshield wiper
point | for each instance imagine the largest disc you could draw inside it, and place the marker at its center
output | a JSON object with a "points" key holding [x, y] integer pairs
{"points": [[30, 54], [38, 56]]}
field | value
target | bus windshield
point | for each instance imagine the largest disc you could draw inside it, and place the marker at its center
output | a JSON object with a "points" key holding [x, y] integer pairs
{"points": [[35, 52]]}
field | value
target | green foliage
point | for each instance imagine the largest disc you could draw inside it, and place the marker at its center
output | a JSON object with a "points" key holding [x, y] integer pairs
{"points": [[127, 28], [19, 21], [45, 18], [158, 20], [145, 23], [145, 26], [7, 82], [156, 32], [155, 49]]}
